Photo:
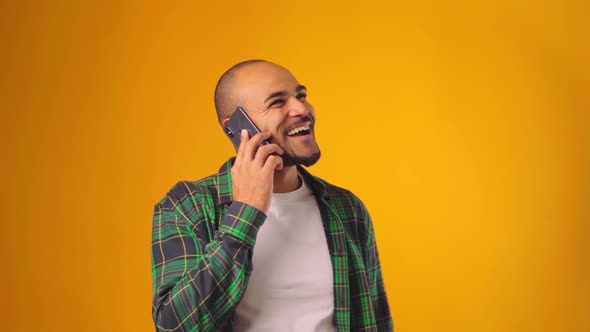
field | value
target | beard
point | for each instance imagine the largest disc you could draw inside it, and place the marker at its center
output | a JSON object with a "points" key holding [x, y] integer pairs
{"points": [[290, 159]]}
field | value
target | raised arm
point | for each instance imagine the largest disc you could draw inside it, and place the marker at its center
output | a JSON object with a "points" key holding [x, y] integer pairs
{"points": [[197, 284]]}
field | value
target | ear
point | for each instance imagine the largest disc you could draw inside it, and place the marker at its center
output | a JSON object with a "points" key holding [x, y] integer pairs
{"points": [[224, 123]]}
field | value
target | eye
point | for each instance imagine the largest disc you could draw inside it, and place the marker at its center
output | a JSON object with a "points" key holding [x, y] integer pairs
{"points": [[302, 96], [277, 103]]}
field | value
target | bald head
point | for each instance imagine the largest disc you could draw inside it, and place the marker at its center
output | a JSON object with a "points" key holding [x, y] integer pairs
{"points": [[225, 98]]}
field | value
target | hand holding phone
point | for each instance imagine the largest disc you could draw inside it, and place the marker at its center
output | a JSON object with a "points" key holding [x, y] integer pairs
{"points": [[256, 160]]}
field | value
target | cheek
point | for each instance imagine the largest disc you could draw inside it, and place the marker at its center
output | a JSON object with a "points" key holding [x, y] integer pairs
{"points": [[273, 122], [264, 123]]}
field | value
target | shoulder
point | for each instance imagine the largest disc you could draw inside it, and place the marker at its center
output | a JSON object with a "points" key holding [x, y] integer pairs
{"points": [[349, 208], [342, 197], [185, 194]]}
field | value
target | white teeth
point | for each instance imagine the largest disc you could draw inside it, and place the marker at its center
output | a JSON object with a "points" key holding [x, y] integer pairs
{"points": [[298, 129]]}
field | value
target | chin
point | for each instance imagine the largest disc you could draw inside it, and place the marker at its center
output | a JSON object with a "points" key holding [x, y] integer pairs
{"points": [[309, 160]]}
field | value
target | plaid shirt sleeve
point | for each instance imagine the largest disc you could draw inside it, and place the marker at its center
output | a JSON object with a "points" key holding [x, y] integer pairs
{"points": [[199, 279], [375, 278]]}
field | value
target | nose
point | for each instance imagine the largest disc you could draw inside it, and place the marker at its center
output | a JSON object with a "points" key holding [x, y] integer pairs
{"points": [[297, 107]]}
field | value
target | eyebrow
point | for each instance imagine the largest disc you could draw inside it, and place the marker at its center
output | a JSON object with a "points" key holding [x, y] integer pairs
{"points": [[283, 93]]}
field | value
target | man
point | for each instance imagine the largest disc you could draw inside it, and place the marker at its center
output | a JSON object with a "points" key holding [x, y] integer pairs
{"points": [[263, 245]]}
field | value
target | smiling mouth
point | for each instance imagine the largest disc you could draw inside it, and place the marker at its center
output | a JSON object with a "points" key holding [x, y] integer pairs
{"points": [[300, 131]]}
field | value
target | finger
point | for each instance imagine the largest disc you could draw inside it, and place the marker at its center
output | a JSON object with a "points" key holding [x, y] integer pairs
{"points": [[272, 162], [264, 151], [253, 144], [243, 140]]}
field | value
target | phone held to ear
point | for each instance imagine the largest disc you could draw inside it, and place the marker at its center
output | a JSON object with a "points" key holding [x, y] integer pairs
{"points": [[238, 121]]}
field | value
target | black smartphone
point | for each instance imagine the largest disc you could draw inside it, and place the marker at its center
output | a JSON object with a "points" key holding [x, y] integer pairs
{"points": [[238, 121]]}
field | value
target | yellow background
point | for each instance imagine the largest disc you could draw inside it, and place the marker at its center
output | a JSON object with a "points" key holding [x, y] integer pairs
{"points": [[463, 125]]}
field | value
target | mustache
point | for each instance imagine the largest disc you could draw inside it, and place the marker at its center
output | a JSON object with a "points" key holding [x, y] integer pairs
{"points": [[301, 121]]}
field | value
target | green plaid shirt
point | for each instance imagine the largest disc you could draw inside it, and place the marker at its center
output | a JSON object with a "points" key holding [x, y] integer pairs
{"points": [[202, 256]]}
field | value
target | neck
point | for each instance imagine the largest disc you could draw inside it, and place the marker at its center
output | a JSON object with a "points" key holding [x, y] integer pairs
{"points": [[286, 180]]}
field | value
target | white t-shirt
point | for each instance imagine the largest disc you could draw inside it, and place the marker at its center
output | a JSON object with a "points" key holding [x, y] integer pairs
{"points": [[291, 285]]}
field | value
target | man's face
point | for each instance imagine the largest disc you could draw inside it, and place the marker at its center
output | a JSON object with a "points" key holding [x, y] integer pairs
{"points": [[277, 103]]}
